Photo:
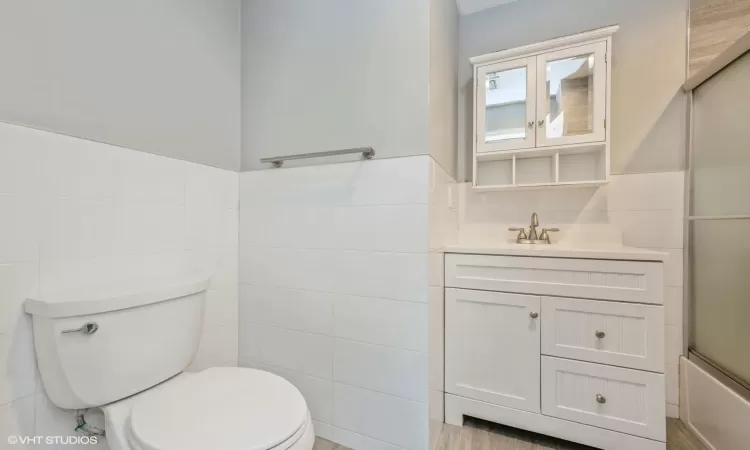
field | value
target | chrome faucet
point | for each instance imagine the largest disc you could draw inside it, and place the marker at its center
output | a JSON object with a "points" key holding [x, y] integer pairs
{"points": [[533, 237]]}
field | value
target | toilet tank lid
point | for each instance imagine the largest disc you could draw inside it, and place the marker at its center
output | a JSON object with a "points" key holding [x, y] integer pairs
{"points": [[104, 298]]}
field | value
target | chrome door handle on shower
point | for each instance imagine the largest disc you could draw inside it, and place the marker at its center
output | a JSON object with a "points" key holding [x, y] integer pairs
{"points": [[86, 328]]}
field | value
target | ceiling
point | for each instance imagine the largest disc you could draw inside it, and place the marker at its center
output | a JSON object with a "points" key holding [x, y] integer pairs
{"points": [[472, 6]]}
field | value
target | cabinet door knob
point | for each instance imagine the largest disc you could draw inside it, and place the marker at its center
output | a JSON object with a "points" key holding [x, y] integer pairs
{"points": [[541, 122], [531, 124], [601, 399], [534, 315], [600, 334]]}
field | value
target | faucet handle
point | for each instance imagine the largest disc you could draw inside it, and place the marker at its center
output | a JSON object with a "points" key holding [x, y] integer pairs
{"points": [[544, 236], [521, 233]]}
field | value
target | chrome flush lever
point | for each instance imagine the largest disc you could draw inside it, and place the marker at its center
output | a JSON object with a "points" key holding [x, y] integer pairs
{"points": [[86, 328]]}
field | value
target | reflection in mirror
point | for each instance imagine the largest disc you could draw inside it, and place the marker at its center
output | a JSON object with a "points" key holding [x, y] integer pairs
{"points": [[505, 103], [570, 93]]}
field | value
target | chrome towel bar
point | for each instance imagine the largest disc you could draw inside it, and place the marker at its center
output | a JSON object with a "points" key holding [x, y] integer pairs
{"points": [[277, 161]]}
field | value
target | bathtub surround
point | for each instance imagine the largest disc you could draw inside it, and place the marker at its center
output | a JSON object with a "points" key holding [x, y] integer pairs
{"points": [[76, 213]]}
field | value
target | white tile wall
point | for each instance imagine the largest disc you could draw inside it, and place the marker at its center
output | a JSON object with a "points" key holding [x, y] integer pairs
{"points": [[306, 353], [640, 210], [76, 212], [334, 268], [380, 321], [387, 370], [444, 222], [403, 422]]}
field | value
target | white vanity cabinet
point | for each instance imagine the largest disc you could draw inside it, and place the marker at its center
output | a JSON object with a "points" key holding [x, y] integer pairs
{"points": [[540, 114], [572, 348]]}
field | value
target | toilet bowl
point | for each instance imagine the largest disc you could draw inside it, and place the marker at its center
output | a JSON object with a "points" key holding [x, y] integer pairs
{"points": [[224, 408], [123, 349]]}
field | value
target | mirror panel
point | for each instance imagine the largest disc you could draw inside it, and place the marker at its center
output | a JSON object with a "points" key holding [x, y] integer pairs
{"points": [[570, 96], [505, 105]]}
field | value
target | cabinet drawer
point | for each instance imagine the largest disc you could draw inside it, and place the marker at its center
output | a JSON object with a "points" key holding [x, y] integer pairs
{"points": [[628, 281], [619, 334], [625, 400]]}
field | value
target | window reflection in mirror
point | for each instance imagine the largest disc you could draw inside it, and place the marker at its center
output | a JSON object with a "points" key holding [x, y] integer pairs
{"points": [[505, 105]]}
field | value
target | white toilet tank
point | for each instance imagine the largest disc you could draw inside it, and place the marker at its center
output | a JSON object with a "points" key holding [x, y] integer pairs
{"points": [[96, 346]]}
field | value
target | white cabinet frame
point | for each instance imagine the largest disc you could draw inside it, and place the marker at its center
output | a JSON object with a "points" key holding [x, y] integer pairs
{"points": [[531, 89], [597, 143], [599, 51]]}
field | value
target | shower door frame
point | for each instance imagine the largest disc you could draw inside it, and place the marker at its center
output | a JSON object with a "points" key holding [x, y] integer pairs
{"points": [[725, 377]]}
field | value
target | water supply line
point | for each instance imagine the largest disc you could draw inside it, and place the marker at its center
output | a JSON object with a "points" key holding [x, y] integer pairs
{"points": [[84, 428]]}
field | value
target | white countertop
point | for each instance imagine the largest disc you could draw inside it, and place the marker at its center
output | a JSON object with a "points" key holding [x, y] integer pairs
{"points": [[562, 250]]}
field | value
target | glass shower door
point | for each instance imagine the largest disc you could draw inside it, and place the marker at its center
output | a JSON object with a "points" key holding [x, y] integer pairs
{"points": [[719, 222]]}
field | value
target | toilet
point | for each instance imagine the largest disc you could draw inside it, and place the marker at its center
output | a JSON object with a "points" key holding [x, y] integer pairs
{"points": [[123, 349]]}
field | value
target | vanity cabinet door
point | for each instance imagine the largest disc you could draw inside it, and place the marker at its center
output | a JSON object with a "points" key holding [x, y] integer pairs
{"points": [[572, 95], [505, 99], [492, 347]]}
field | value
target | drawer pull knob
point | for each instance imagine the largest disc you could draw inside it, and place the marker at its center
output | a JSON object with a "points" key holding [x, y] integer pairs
{"points": [[600, 334], [534, 315], [601, 399]]}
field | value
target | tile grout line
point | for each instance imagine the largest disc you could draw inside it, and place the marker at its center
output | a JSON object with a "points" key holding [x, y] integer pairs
{"points": [[418, 352], [323, 249], [342, 383], [333, 293]]}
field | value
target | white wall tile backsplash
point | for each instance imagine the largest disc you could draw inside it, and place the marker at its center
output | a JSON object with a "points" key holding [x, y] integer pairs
{"points": [[76, 212], [638, 210], [334, 264]]}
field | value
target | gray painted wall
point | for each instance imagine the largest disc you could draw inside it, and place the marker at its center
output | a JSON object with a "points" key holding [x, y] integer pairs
{"points": [[330, 74], [649, 114], [158, 76], [443, 42]]}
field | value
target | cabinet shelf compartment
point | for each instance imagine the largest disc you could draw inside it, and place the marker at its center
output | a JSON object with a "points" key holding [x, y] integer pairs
{"points": [[495, 172], [535, 170], [577, 167], [574, 165]]}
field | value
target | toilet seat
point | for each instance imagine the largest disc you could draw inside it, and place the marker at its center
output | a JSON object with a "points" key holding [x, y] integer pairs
{"points": [[221, 408]]}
